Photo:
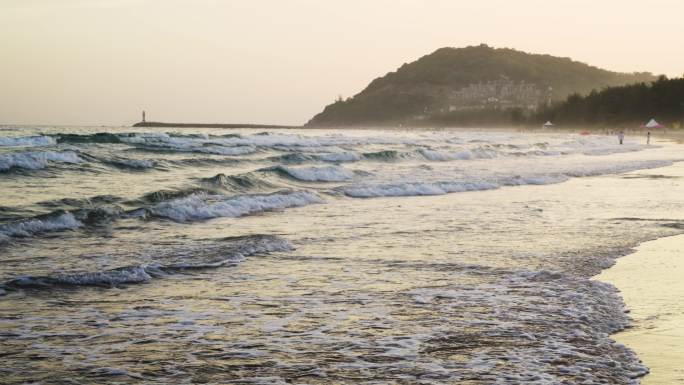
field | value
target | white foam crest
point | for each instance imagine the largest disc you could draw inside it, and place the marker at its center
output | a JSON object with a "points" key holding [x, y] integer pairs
{"points": [[260, 246], [558, 175], [416, 189], [28, 227], [232, 252], [272, 140], [597, 145], [202, 144], [134, 274], [35, 160], [202, 206], [220, 150], [339, 157], [26, 141], [603, 169], [443, 156], [533, 180], [310, 149], [319, 174]]}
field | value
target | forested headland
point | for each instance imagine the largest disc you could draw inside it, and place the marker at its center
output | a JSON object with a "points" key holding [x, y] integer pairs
{"points": [[476, 85]]}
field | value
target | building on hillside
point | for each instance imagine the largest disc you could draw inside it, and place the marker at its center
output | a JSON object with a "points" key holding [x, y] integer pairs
{"points": [[502, 93]]}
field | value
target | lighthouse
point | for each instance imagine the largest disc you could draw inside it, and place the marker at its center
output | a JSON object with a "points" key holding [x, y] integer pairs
{"points": [[143, 114]]}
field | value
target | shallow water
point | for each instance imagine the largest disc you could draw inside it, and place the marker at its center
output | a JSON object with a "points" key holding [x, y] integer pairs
{"points": [[287, 256]]}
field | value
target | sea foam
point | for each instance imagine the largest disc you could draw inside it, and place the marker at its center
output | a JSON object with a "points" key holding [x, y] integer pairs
{"points": [[416, 189], [316, 174], [225, 251], [32, 226], [202, 206], [26, 141], [35, 160]]}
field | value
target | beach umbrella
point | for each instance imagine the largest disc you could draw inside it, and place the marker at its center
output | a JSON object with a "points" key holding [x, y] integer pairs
{"points": [[653, 124]]}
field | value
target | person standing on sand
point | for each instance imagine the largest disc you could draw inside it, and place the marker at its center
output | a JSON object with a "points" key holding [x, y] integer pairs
{"points": [[648, 138], [621, 136]]}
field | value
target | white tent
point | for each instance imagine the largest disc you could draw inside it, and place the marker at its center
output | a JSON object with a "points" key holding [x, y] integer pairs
{"points": [[653, 124], [548, 124]]}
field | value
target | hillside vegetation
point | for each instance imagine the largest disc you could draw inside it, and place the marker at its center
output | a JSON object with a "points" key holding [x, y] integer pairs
{"points": [[424, 89], [629, 106]]}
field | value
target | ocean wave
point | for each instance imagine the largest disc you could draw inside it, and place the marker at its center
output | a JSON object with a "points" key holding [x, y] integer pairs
{"points": [[220, 150], [603, 169], [202, 161], [41, 224], [339, 157], [570, 316], [60, 220], [298, 157], [415, 189], [98, 200], [203, 206], [386, 155], [26, 141], [292, 158], [200, 143], [99, 137], [226, 251], [443, 156], [98, 215], [36, 160], [494, 182], [127, 163], [314, 174], [166, 195], [483, 153], [243, 182]]}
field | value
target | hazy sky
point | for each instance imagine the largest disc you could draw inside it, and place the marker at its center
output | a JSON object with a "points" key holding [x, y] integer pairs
{"points": [[94, 62]]}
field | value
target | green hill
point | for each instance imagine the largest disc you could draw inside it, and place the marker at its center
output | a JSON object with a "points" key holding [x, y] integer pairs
{"points": [[453, 81]]}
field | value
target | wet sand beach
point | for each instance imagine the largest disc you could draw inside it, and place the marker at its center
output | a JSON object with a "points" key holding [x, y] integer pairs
{"points": [[651, 281]]}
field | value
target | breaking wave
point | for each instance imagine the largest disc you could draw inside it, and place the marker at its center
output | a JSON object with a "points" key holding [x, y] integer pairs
{"points": [[41, 224], [59, 220], [314, 174], [386, 155], [339, 157], [464, 154], [446, 187], [201, 206], [333, 157], [415, 189], [220, 150], [130, 164], [26, 141], [36, 160], [100, 137], [244, 182], [227, 251]]}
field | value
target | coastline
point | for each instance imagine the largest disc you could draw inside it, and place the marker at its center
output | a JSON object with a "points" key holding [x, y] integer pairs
{"points": [[651, 283]]}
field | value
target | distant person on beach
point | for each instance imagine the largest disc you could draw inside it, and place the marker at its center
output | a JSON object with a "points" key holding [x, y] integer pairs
{"points": [[648, 137], [621, 136]]}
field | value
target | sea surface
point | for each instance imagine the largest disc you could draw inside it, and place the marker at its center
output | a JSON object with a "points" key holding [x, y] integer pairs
{"points": [[322, 256]]}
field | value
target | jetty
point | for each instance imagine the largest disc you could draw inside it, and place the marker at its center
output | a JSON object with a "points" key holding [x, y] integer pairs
{"points": [[209, 125]]}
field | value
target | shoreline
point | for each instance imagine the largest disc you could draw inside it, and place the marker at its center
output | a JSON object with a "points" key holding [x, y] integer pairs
{"points": [[651, 283]]}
